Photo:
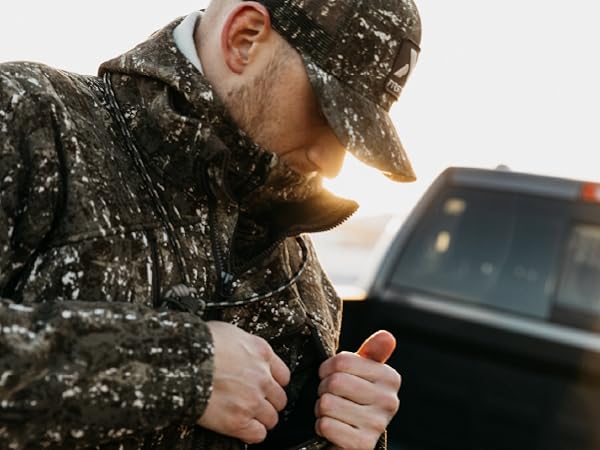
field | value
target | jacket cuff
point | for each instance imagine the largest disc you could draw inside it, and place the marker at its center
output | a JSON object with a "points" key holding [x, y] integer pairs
{"points": [[201, 357]]}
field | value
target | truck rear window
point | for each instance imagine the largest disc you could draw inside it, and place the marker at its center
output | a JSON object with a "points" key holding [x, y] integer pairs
{"points": [[579, 288], [503, 251]]}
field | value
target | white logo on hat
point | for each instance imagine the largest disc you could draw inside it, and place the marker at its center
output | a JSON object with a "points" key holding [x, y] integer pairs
{"points": [[408, 67], [408, 51]]}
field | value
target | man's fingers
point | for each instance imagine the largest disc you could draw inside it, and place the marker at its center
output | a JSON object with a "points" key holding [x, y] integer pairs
{"points": [[327, 427], [343, 410], [358, 394], [248, 380], [378, 347], [253, 433], [354, 364], [276, 396], [267, 415], [367, 363], [350, 387], [279, 370], [342, 435], [382, 397]]}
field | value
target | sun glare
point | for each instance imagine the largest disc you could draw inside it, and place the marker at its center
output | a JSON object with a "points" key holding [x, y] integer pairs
{"points": [[376, 194]]}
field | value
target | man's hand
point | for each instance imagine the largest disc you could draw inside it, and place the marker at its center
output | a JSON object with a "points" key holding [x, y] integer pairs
{"points": [[248, 382], [358, 394]]}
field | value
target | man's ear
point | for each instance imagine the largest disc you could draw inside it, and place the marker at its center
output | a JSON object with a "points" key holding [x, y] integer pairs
{"points": [[246, 26]]}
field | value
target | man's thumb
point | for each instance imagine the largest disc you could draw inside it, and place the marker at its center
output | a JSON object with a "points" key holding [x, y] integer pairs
{"points": [[378, 347]]}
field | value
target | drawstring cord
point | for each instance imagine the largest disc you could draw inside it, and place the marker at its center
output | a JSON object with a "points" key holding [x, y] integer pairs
{"points": [[148, 182], [178, 296], [184, 298]]}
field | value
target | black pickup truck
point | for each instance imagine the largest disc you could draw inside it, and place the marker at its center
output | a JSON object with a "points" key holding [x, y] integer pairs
{"points": [[492, 288]]}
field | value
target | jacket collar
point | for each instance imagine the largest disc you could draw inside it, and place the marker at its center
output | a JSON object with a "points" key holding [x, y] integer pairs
{"points": [[187, 135]]}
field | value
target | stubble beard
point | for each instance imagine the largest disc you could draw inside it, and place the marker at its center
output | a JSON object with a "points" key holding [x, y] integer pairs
{"points": [[250, 105]]}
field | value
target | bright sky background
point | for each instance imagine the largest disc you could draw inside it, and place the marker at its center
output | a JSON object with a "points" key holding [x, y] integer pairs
{"points": [[513, 82]]}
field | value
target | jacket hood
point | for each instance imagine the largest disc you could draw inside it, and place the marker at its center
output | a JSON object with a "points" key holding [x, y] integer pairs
{"points": [[187, 130]]}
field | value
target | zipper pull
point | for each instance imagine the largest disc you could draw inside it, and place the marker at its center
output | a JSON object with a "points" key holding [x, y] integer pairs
{"points": [[227, 287], [183, 298]]}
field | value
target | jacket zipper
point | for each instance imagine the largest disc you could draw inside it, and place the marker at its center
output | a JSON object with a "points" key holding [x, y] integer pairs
{"points": [[227, 276], [155, 269]]}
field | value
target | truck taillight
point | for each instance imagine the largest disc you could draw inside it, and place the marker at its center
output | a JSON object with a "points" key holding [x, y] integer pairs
{"points": [[590, 192]]}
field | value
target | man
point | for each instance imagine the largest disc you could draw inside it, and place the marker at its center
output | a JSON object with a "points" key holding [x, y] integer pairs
{"points": [[158, 290]]}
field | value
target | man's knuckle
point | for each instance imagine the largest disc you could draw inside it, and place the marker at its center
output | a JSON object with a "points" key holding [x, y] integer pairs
{"points": [[241, 414], [365, 441], [342, 362], [378, 424], [318, 427], [263, 348], [233, 422], [319, 409], [286, 375], [254, 434], [327, 403], [389, 403], [336, 382], [396, 380], [327, 426], [279, 401], [272, 422], [264, 380], [255, 402]]}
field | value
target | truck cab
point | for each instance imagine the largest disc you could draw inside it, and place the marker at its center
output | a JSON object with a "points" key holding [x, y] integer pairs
{"points": [[492, 288]]}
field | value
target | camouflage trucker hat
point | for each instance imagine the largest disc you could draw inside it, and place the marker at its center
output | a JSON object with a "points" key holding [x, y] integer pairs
{"points": [[358, 55]]}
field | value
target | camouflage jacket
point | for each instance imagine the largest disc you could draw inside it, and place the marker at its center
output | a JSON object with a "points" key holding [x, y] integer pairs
{"points": [[132, 210]]}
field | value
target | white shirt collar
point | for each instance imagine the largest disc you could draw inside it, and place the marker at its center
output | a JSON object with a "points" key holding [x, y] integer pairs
{"points": [[183, 36]]}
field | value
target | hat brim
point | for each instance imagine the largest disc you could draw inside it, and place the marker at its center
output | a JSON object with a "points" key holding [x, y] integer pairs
{"points": [[362, 126]]}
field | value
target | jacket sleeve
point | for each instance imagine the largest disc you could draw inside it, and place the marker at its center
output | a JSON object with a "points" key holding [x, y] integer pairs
{"points": [[77, 374]]}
